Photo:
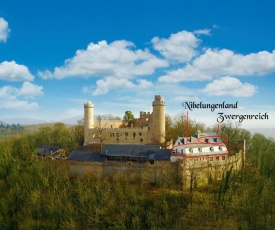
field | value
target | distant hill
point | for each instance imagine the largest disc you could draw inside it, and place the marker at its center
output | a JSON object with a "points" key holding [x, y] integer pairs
{"points": [[30, 121], [2, 123], [23, 121], [72, 120]]}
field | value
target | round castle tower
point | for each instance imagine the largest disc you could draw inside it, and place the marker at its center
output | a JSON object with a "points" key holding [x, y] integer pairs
{"points": [[158, 129], [88, 120]]}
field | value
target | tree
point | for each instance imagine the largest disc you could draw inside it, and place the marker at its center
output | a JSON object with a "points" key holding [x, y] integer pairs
{"points": [[110, 117], [176, 127], [128, 116], [100, 125]]}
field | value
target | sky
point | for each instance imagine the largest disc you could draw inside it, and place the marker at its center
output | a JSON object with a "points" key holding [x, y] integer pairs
{"points": [[55, 55]]}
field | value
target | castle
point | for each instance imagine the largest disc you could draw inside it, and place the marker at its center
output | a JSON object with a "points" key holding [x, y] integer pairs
{"points": [[149, 128], [201, 159]]}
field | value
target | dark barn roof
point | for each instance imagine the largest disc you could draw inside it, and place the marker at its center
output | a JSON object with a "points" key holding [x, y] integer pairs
{"points": [[86, 156], [129, 150], [45, 150], [161, 155], [124, 152]]}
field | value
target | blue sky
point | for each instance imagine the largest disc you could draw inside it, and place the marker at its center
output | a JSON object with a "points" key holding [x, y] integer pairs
{"points": [[57, 55]]}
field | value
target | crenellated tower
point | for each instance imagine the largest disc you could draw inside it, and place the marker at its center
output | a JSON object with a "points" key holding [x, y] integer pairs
{"points": [[158, 125], [88, 120]]}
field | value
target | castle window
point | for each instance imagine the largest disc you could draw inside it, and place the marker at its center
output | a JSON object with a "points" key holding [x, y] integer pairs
{"points": [[220, 148], [111, 135], [211, 149], [117, 134], [141, 140], [117, 139], [126, 134], [140, 134], [182, 151], [217, 158], [223, 157], [134, 135]]}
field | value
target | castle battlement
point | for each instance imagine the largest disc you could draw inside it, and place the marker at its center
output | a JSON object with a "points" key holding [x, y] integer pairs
{"points": [[149, 128]]}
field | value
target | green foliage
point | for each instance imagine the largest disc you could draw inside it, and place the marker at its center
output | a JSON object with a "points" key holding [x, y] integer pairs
{"points": [[233, 133], [177, 127], [60, 135], [37, 194], [262, 155], [7, 131], [128, 116]]}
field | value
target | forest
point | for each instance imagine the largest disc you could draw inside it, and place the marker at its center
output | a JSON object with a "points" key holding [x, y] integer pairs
{"points": [[7, 130], [38, 194]]}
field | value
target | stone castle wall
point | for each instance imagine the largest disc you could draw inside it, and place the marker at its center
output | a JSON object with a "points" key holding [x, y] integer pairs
{"points": [[202, 172], [161, 171], [149, 128], [122, 135]]}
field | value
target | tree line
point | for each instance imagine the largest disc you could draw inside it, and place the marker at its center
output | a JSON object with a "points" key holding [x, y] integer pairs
{"points": [[7, 130], [37, 194]]}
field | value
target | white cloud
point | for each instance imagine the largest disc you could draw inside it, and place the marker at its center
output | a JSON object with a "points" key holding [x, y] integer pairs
{"points": [[202, 32], [10, 96], [118, 59], [104, 85], [178, 47], [187, 98], [11, 71], [143, 83], [215, 63], [4, 30], [30, 90], [229, 86], [215, 26]]}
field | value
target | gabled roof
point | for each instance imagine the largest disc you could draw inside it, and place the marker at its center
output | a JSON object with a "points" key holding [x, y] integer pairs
{"points": [[120, 151], [46, 150], [129, 150], [161, 155], [86, 156]]}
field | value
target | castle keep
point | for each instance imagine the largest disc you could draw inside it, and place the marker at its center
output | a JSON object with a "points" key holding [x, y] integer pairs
{"points": [[149, 128]]}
